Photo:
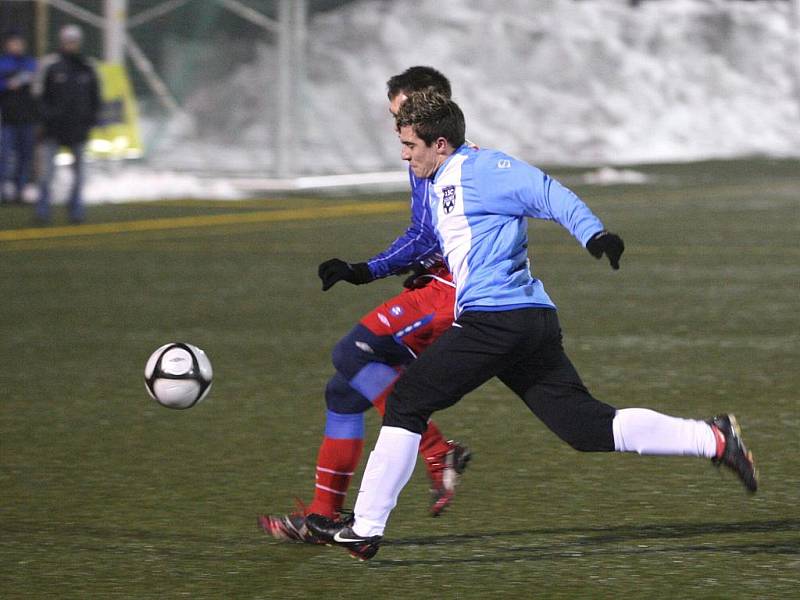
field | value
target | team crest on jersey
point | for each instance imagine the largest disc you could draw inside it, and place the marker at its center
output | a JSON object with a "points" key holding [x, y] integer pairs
{"points": [[448, 198], [396, 311]]}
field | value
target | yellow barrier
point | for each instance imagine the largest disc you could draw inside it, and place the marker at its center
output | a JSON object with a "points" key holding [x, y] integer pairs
{"points": [[117, 136]]}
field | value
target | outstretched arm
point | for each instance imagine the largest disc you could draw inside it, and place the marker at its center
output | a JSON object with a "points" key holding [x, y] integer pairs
{"points": [[572, 213], [530, 192], [418, 243]]}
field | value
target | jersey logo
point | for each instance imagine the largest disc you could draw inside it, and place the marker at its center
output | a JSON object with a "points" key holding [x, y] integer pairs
{"points": [[396, 311], [503, 163], [364, 347], [448, 198]]}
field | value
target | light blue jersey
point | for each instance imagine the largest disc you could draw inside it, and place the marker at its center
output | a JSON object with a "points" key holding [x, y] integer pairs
{"points": [[479, 202]]}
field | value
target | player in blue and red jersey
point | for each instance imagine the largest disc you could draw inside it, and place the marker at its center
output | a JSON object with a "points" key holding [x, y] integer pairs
{"points": [[370, 358]]}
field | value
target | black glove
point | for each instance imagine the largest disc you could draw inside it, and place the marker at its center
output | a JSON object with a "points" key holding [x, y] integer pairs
{"points": [[334, 270], [413, 281], [606, 243]]}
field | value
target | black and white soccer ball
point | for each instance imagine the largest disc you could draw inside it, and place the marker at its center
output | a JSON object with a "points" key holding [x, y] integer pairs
{"points": [[178, 375]]}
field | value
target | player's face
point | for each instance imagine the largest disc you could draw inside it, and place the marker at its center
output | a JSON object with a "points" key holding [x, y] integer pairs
{"points": [[15, 46], [424, 160], [71, 46]]}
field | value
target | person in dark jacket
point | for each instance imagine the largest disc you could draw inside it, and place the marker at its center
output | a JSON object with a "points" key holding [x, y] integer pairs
{"points": [[69, 103], [17, 116]]}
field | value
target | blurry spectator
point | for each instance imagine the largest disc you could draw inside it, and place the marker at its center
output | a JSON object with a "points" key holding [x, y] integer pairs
{"points": [[69, 103], [17, 116]]}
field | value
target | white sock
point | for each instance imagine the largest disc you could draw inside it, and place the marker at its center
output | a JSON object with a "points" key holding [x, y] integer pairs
{"points": [[389, 468], [648, 432]]}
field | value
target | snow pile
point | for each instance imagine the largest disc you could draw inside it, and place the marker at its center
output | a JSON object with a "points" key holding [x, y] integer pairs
{"points": [[555, 81]]}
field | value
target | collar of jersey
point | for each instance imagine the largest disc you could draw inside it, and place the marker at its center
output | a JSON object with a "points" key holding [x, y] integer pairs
{"points": [[462, 149]]}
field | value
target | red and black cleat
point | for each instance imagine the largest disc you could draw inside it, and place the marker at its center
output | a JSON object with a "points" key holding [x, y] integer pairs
{"points": [[288, 528], [445, 471], [732, 452]]}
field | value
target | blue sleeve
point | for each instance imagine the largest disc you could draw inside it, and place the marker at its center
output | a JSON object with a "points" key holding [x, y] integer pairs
{"points": [[7, 69], [417, 243], [10, 67], [513, 187]]}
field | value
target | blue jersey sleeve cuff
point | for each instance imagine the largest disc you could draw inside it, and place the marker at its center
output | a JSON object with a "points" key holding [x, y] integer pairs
{"points": [[373, 270]]}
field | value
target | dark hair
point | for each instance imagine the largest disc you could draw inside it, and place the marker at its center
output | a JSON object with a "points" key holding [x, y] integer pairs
{"points": [[416, 79], [432, 115], [12, 33]]}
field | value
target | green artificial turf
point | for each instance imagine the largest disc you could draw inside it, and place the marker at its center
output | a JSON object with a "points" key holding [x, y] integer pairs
{"points": [[105, 494]]}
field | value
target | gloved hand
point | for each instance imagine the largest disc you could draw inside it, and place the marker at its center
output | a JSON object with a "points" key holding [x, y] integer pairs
{"points": [[606, 243], [413, 281], [334, 270]]}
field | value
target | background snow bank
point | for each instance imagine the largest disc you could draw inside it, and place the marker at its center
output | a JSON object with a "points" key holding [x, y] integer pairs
{"points": [[552, 81]]}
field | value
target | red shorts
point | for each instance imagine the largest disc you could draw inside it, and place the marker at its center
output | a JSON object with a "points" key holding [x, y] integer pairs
{"points": [[415, 318]]}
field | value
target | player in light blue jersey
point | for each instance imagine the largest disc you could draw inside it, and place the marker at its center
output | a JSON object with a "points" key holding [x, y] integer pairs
{"points": [[481, 200], [506, 325]]}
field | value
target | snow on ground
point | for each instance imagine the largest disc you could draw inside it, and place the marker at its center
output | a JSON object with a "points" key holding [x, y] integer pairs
{"points": [[117, 183], [612, 176], [124, 184], [597, 83], [109, 183]]}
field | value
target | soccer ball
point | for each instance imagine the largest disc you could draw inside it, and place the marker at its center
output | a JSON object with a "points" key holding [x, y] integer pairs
{"points": [[178, 375]]}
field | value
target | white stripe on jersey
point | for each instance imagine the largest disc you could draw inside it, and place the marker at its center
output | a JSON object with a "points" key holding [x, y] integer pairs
{"points": [[437, 278], [455, 236]]}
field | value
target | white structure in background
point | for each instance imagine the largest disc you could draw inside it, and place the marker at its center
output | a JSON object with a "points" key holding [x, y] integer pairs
{"points": [[290, 30], [115, 12], [797, 46], [667, 81], [573, 83]]}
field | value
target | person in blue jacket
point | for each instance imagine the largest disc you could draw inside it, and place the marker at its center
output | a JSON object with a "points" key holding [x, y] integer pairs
{"points": [[17, 117], [506, 324]]}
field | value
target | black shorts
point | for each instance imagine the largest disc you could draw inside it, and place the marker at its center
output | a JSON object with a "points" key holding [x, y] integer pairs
{"points": [[523, 349]]}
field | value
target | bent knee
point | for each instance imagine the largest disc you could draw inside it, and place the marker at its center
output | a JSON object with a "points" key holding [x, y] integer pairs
{"points": [[340, 397], [361, 346], [354, 350]]}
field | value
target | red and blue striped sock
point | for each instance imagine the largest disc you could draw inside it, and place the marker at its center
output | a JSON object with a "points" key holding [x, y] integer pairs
{"points": [[339, 455]]}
